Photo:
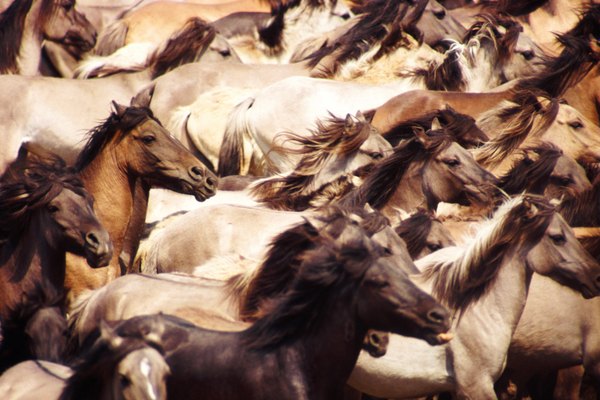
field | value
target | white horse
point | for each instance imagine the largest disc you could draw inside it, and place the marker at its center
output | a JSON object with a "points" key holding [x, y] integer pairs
{"points": [[486, 283]]}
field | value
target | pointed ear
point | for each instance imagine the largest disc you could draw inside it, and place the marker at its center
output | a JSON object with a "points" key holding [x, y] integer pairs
{"points": [[144, 97], [531, 210], [435, 124], [360, 117], [349, 124], [118, 108], [108, 335]]}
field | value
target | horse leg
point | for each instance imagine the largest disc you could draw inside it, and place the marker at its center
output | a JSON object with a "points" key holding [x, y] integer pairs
{"points": [[568, 383]]}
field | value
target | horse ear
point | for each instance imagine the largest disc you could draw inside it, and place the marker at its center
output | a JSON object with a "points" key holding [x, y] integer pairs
{"points": [[119, 109], [435, 124], [360, 117], [350, 123], [108, 335], [531, 210], [144, 97]]}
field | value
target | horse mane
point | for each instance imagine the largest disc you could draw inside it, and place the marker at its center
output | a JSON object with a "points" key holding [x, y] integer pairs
{"points": [[522, 117], [97, 364], [330, 270], [517, 8], [382, 182], [446, 75], [529, 174], [565, 70], [582, 210], [455, 123], [12, 22], [102, 134], [186, 45], [381, 24], [328, 140], [23, 194], [414, 230], [460, 276], [588, 22]]}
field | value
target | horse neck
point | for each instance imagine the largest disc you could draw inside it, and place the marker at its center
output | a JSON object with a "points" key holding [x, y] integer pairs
{"points": [[500, 308], [334, 347], [31, 261], [409, 194], [114, 193], [30, 51]]}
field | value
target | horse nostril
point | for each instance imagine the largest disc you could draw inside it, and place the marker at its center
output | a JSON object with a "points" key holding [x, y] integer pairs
{"points": [[196, 172], [437, 315], [92, 240], [211, 183]]}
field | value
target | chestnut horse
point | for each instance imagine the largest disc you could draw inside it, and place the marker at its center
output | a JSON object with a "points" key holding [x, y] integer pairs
{"points": [[125, 156], [45, 212], [25, 24]]}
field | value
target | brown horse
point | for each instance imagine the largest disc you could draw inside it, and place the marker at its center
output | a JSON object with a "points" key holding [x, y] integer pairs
{"points": [[343, 287], [125, 156], [45, 212], [25, 24], [423, 234]]}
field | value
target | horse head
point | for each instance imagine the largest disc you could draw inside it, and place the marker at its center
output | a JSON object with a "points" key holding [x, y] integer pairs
{"points": [[62, 23]]}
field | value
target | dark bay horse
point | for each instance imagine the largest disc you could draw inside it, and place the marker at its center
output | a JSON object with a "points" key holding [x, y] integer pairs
{"points": [[25, 24], [45, 212], [125, 156], [344, 286]]}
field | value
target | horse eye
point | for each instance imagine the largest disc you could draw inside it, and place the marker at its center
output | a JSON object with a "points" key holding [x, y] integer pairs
{"points": [[148, 139], [452, 162], [387, 251], [433, 246], [68, 6], [558, 239], [440, 14], [565, 180], [124, 381], [52, 208], [376, 155], [528, 54], [575, 124]]}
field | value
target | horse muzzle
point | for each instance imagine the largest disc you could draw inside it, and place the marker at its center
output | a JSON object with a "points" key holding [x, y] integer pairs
{"points": [[98, 249]]}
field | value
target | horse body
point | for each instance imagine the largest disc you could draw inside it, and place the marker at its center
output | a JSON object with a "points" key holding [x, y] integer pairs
{"points": [[132, 152], [474, 359], [26, 24]]}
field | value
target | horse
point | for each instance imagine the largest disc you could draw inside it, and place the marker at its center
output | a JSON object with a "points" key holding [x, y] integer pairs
{"points": [[141, 56], [133, 152], [486, 278], [422, 172], [58, 123], [112, 368], [545, 170], [266, 41], [214, 299], [423, 234], [45, 212], [336, 148], [301, 333], [24, 25]]}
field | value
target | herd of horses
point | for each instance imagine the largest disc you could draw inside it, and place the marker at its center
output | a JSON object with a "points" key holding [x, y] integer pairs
{"points": [[300, 199]]}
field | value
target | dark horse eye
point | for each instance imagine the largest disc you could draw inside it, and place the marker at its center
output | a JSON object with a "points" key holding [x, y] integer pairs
{"points": [[148, 139], [558, 239], [452, 162], [52, 208], [434, 246], [440, 14], [528, 55]]}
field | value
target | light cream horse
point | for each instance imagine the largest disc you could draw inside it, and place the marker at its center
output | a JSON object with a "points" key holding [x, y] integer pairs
{"points": [[486, 283]]}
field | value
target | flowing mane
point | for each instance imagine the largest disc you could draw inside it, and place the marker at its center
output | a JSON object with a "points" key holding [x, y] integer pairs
{"points": [[381, 183], [456, 124], [330, 270], [531, 175], [380, 25], [22, 194], [102, 134], [565, 70], [525, 116], [460, 276], [331, 139], [12, 23], [583, 210], [414, 231]]}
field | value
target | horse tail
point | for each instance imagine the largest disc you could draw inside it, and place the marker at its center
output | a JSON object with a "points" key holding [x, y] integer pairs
{"points": [[178, 126], [231, 155], [111, 38], [132, 57]]}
